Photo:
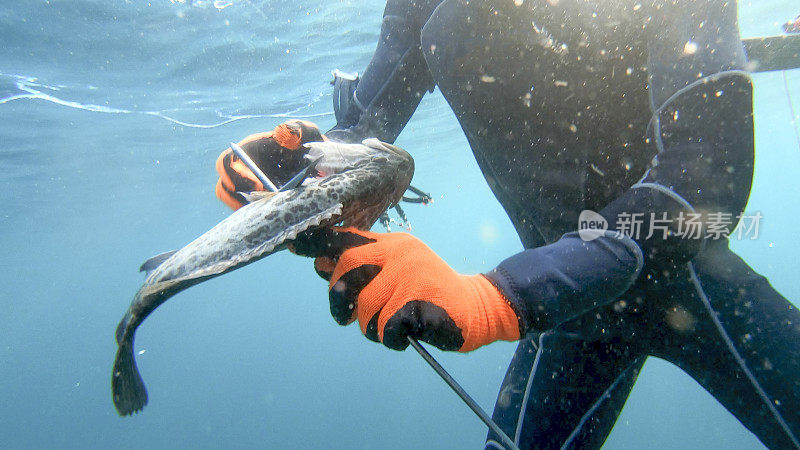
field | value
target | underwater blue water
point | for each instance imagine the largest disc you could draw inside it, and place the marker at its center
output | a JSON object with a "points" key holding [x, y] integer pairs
{"points": [[111, 116]]}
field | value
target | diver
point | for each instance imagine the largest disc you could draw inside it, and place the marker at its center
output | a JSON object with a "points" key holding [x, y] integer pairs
{"points": [[618, 137]]}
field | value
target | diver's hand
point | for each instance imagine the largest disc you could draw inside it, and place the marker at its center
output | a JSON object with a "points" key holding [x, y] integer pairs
{"points": [[274, 152], [396, 286]]}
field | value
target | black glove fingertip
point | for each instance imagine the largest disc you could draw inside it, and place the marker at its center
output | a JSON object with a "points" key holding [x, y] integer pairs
{"points": [[424, 321], [344, 293], [402, 324], [372, 328], [327, 242]]}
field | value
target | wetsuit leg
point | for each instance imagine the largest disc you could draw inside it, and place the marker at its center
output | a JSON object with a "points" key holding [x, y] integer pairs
{"points": [[715, 318], [508, 407], [739, 338], [547, 403], [742, 343]]}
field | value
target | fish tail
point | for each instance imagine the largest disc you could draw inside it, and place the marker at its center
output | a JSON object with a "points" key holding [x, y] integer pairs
{"points": [[127, 386]]}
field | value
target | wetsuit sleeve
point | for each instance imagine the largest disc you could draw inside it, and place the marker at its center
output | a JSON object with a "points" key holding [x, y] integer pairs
{"points": [[702, 126], [393, 83]]}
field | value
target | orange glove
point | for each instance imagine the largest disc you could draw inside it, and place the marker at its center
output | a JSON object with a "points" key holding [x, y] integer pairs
{"points": [[396, 286], [274, 152]]}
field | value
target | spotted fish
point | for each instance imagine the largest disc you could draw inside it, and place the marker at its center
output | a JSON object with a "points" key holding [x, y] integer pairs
{"points": [[357, 183]]}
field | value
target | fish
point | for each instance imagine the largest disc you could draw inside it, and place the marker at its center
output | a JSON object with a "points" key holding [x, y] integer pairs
{"points": [[356, 184]]}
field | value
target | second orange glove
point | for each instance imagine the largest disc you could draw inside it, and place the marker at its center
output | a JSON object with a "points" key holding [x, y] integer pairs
{"points": [[278, 153], [396, 286]]}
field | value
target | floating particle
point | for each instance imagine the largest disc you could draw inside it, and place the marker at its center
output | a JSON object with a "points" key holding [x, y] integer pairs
{"points": [[526, 99], [680, 319]]}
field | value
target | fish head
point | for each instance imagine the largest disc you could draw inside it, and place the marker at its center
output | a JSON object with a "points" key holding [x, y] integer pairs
{"points": [[371, 177], [395, 165]]}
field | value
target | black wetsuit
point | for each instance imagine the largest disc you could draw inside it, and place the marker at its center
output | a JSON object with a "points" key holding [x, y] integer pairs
{"points": [[566, 106]]}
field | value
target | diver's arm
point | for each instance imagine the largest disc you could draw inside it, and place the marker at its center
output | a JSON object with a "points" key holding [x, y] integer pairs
{"points": [[702, 125], [393, 83]]}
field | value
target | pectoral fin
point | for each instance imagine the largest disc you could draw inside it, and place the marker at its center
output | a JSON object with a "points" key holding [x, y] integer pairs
{"points": [[255, 196], [150, 265]]}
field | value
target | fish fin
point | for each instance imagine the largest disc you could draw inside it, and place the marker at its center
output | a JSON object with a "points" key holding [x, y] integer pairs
{"points": [[298, 179], [255, 196], [127, 387], [150, 265]]}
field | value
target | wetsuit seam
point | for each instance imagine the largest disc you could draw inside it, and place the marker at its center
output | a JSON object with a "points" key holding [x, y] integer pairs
{"points": [[655, 119], [528, 385], [738, 358], [667, 191], [494, 444], [424, 25], [603, 397], [673, 195], [632, 246], [357, 102], [383, 87]]}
